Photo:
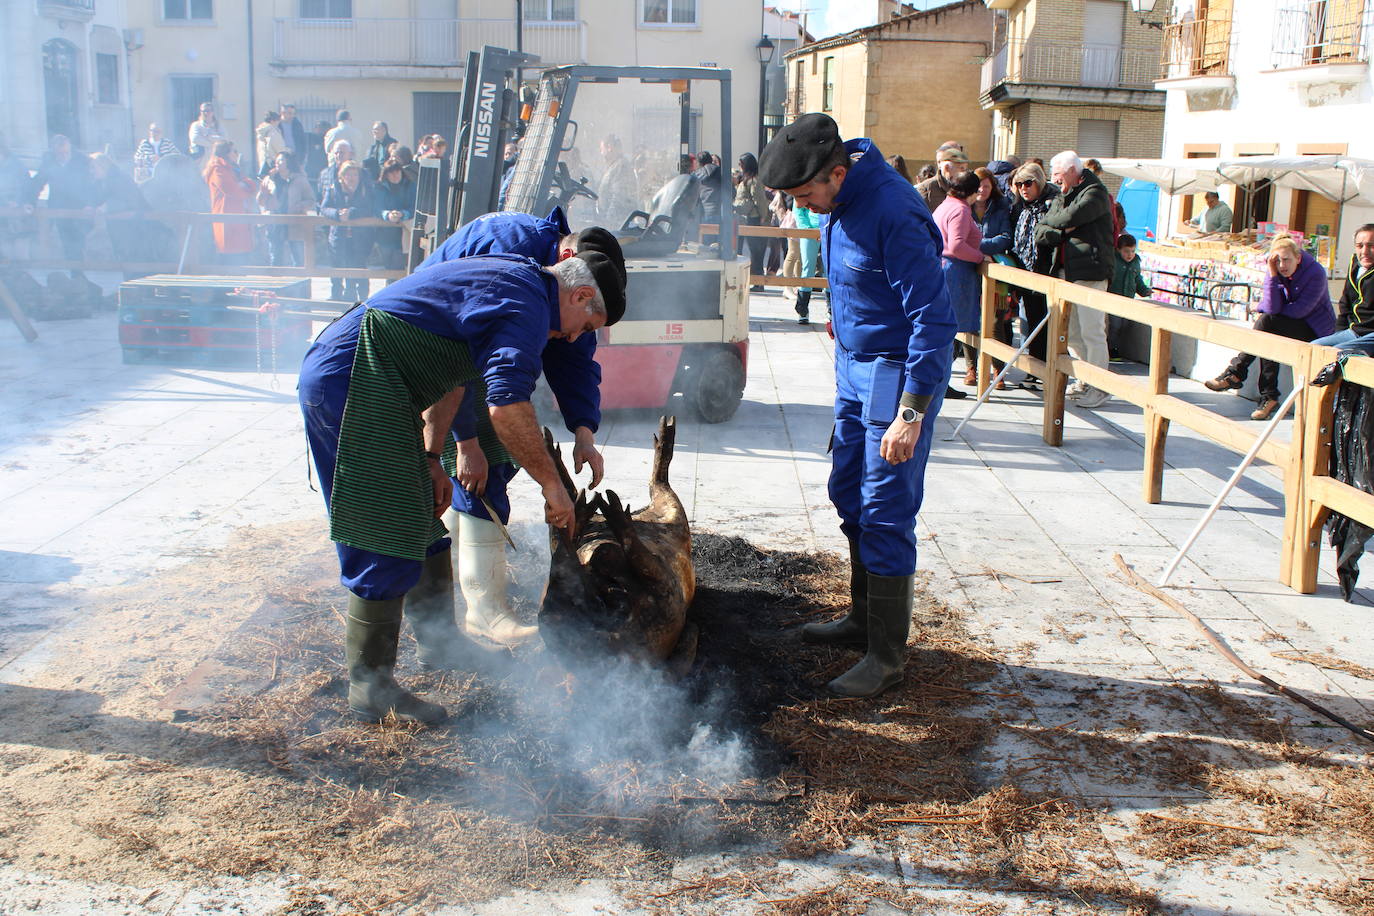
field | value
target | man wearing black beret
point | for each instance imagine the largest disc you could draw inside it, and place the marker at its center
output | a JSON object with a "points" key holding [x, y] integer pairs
{"points": [[481, 476], [379, 389], [893, 327]]}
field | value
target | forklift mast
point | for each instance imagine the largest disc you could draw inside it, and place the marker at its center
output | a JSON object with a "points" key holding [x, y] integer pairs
{"points": [[461, 187]]}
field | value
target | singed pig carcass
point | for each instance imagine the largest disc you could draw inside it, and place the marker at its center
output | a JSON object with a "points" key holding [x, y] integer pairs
{"points": [[624, 584]]}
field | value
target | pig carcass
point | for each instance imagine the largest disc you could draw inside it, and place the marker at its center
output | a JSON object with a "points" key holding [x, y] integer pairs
{"points": [[624, 583]]}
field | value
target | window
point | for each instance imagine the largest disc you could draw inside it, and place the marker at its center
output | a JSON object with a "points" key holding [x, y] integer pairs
{"points": [[550, 10], [188, 9], [668, 12], [326, 9], [107, 79], [828, 84], [1097, 138]]}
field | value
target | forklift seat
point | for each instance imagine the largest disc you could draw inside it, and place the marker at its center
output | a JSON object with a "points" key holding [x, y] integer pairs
{"points": [[662, 231]]}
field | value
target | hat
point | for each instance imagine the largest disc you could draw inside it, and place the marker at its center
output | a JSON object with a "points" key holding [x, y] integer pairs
{"points": [[950, 154], [799, 151], [608, 282], [603, 242]]}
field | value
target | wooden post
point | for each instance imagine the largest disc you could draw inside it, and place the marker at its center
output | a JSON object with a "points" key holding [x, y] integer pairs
{"points": [[1056, 345], [1294, 488], [1315, 407], [21, 320], [986, 318], [1157, 427]]}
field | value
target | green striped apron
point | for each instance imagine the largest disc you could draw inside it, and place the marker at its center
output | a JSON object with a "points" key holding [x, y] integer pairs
{"points": [[383, 500]]}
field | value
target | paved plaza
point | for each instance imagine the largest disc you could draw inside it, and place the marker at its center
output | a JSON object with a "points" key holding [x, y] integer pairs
{"points": [[113, 473]]}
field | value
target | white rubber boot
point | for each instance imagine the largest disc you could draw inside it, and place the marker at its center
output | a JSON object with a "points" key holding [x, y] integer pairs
{"points": [[482, 577]]}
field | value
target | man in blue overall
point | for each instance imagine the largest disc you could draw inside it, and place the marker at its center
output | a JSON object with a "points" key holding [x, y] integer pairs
{"points": [[575, 379], [893, 328], [379, 389]]}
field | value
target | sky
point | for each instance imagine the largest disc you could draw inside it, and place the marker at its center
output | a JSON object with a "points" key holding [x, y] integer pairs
{"points": [[831, 17]]}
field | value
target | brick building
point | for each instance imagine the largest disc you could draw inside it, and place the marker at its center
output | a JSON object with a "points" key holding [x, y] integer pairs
{"points": [[1073, 74], [909, 82]]}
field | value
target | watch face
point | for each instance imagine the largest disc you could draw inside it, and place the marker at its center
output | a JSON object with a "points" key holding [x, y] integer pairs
{"points": [[909, 414]]}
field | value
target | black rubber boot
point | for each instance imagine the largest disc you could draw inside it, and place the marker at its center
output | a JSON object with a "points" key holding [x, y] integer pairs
{"points": [[852, 628], [889, 621], [429, 607], [374, 629]]}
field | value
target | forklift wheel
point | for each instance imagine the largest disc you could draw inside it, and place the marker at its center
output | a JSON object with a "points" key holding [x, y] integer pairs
{"points": [[718, 385]]}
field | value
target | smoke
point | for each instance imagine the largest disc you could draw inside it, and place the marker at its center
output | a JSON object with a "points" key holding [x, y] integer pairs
{"points": [[603, 734]]}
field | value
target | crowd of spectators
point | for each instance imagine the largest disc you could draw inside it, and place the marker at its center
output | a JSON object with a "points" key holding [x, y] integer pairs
{"points": [[298, 172]]}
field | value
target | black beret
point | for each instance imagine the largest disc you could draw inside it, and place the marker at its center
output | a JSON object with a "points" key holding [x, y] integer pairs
{"points": [[609, 282], [602, 241], [799, 151]]}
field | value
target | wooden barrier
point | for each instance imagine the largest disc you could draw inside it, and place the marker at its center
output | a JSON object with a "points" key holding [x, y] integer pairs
{"points": [[184, 222], [1309, 493]]}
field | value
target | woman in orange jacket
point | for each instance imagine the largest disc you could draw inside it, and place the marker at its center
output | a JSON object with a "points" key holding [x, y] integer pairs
{"points": [[229, 193]]}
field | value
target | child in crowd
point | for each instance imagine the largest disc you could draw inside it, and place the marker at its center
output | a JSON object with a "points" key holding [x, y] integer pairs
{"points": [[1126, 281]]}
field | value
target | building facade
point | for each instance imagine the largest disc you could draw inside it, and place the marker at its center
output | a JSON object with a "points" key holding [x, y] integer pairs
{"points": [[65, 71], [1265, 78], [1073, 74], [909, 83], [402, 61]]}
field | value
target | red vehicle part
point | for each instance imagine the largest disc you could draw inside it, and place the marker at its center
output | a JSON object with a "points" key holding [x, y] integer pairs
{"points": [[648, 375]]}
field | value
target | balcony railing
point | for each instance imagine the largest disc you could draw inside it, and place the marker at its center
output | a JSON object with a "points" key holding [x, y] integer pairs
{"points": [[1068, 63], [417, 42], [1198, 47], [79, 9], [1310, 32]]}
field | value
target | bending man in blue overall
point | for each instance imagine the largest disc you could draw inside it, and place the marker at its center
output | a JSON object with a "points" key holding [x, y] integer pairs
{"points": [[893, 328], [575, 379], [379, 389]]}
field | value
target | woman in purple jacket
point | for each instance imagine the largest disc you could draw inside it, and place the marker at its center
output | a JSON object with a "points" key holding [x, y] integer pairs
{"points": [[1296, 304]]}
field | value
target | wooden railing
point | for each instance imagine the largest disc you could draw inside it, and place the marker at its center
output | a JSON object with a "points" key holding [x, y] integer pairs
{"points": [[1310, 494], [183, 224]]}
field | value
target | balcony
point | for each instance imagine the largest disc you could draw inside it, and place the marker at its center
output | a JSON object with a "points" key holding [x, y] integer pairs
{"points": [[73, 10], [1043, 70], [1197, 48], [411, 48], [1321, 33]]}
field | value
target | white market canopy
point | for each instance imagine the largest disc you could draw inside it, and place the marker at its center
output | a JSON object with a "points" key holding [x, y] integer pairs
{"points": [[1341, 178], [1174, 176]]}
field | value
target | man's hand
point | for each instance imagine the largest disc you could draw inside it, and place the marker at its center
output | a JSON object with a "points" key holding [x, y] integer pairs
{"points": [[585, 452], [899, 442], [472, 467], [443, 487], [558, 509]]}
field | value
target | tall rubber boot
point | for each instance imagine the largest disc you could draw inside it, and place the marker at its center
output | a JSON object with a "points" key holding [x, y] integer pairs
{"points": [[889, 621], [482, 577], [429, 606], [373, 631], [852, 628]]}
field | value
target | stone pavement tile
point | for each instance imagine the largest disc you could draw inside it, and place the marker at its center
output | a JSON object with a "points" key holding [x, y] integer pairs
{"points": [[1317, 621], [47, 510], [1100, 569], [1090, 519], [1253, 880], [748, 482]]}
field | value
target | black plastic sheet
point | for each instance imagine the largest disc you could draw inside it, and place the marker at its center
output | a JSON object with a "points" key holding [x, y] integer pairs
{"points": [[1351, 463]]}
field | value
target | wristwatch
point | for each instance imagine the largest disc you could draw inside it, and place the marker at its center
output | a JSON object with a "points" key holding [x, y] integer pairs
{"points": [[911, 415]]}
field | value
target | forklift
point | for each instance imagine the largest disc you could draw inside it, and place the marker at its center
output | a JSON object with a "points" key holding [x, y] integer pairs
{"points": [[686, 324]]}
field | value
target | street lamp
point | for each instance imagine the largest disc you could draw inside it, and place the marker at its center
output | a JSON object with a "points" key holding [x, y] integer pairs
{"points": [[1143, 8], [764, 49]]}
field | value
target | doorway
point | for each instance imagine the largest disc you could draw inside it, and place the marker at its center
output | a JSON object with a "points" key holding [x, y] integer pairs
{"points": [[1103, 29], [436, 113], [60, 89], [188, 92]]}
